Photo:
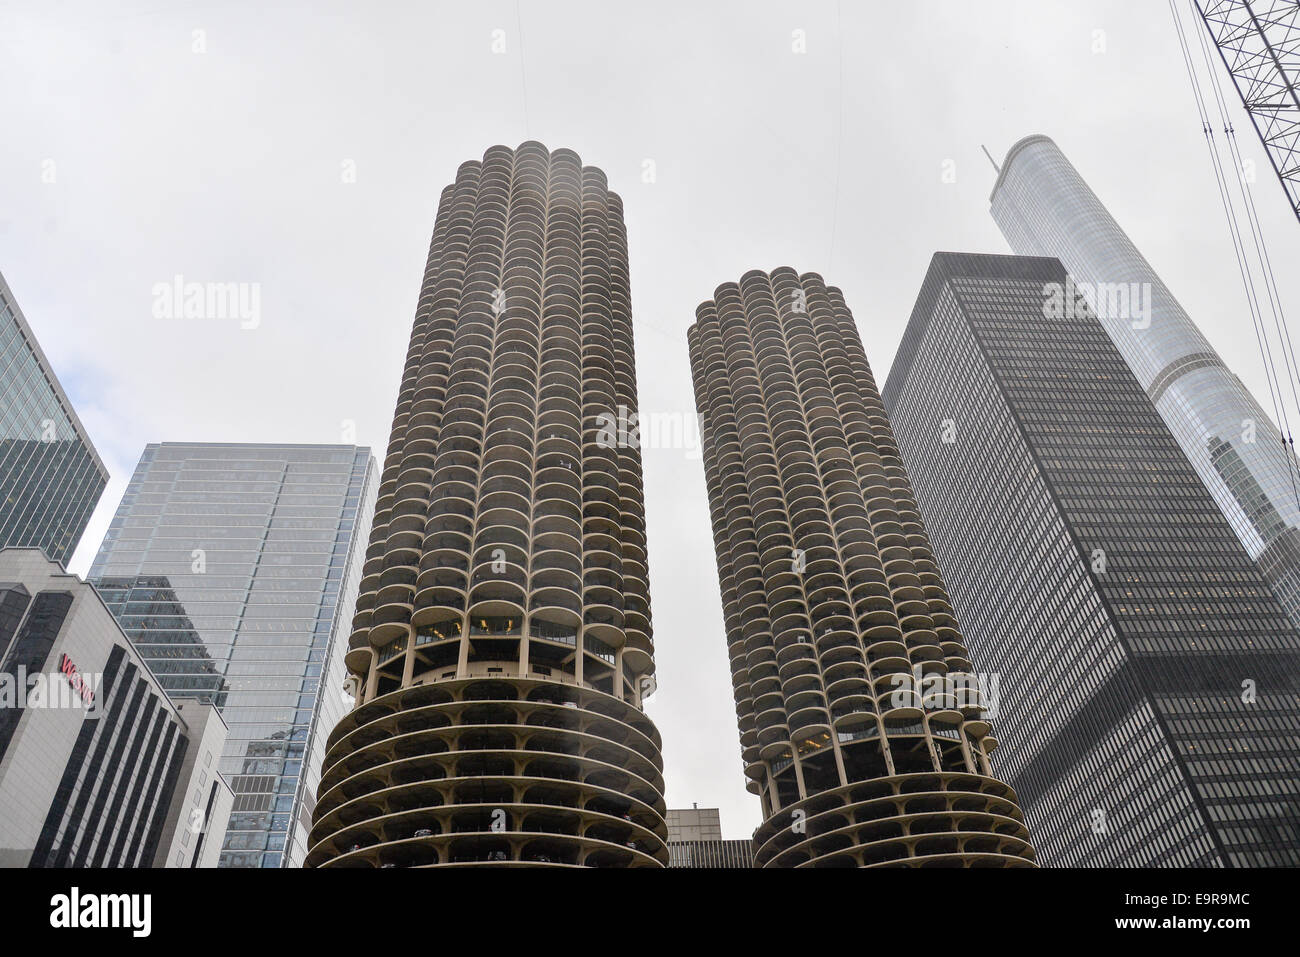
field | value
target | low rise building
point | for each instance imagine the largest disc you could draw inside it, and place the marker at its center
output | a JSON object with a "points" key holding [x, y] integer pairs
{"points": [[98, 766], [695, 840]]}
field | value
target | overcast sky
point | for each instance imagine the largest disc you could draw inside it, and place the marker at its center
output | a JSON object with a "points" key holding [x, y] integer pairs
{"points": [[136, 149]]}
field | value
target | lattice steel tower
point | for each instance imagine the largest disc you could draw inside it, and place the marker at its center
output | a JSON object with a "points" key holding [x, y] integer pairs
{"points": [[501, 645], [1260, 44], [861, 726]]}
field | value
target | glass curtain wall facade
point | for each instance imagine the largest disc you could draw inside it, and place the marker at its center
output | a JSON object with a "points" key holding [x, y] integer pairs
{"points": [[51, 477], [863, 728], [1044, 208], [234, 570], [501, 643], [1147, 675]]}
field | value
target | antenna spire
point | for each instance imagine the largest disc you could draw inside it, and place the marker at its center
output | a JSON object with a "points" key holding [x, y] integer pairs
{"points": [[996, 168]]}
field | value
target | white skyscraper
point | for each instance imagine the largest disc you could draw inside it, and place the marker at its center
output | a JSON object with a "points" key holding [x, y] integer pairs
{"points": [[1044, 208]]}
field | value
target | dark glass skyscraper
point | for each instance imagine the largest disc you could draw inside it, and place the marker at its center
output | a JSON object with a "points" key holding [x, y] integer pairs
{"points": [[862, 726], [50, 475], [234, 570], [1148, 676], [501, 643]]}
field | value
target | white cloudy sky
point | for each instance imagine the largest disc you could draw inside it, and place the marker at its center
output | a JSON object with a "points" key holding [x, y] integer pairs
{"points": [[225, 166]]}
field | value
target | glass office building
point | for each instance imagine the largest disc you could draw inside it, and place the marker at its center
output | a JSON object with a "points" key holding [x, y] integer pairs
{"points": [[234, 570], [1146, 675], [50, 475], [1044, 208]]}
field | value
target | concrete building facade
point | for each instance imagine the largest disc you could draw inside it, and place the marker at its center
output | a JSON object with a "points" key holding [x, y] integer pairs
{"points": [[862, 726], [501, 646], [695, 840], [98, 766]]}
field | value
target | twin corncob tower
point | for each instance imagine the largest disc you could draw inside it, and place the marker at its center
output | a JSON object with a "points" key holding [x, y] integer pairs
{"points": [[862, 723], [501, 646]]}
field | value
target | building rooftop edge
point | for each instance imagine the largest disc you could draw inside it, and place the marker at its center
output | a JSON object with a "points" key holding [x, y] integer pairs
{"points": [[260, 445], [944, 266], [60, 572], [766, 274], [1016, 147]]}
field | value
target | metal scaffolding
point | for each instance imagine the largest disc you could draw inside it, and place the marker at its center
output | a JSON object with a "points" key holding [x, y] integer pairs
{"points": [[1259, 41]]}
